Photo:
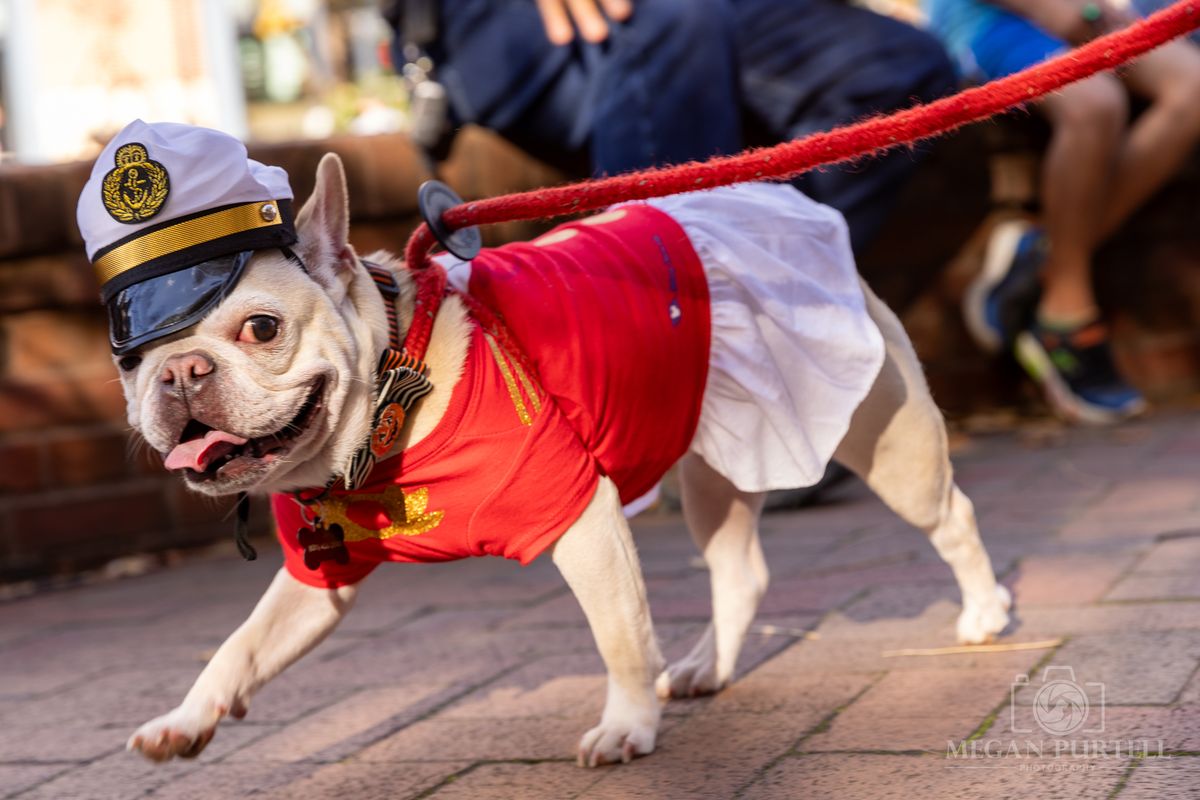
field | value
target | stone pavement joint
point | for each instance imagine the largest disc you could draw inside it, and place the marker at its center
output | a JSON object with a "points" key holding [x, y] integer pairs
{"points": [[475, 679], [990, 720], [1124, 779], [824, 725]]}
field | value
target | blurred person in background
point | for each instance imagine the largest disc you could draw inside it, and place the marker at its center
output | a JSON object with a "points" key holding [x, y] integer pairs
{"points": [[1035, 293], [609, 86]]}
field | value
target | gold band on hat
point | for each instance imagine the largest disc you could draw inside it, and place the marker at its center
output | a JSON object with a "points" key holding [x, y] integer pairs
{"points": [[189, 233]]}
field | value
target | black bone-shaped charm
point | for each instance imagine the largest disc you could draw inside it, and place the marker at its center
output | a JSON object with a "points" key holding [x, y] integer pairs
{"points": [[323, 544]]}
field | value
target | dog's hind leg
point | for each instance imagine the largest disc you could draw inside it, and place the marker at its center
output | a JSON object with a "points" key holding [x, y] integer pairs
{"points": [[897, 444], [724, 524], [597, 558]]}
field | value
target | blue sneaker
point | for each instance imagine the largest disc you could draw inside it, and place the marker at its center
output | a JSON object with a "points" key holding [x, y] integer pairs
{"points": [[1077, 373], [1001, 301]]}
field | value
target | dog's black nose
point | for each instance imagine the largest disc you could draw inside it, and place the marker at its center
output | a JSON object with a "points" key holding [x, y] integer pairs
{"points": [[186, 369]]}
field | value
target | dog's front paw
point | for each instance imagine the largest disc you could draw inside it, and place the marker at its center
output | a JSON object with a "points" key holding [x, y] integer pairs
{"points": [[981, 623], [616, 742], [183, 732]]}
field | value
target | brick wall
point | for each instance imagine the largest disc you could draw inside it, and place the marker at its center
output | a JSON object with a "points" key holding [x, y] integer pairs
{"points": [[76, 490]]}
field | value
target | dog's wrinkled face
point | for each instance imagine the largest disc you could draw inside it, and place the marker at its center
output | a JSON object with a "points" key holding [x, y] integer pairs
{"points": [[269, 391]]}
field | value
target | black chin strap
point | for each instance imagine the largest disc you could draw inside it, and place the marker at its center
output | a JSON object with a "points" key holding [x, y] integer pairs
{"points": [[240, 533]]}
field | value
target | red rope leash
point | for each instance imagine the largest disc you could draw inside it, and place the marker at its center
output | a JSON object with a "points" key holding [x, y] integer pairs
{"points": [[790, 159]]}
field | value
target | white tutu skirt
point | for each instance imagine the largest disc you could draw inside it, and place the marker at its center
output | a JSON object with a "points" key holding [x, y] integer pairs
{"points": [[794, 351]]}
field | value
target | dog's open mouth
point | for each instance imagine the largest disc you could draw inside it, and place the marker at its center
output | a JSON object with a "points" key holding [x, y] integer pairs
{"points": [[205, 453]]}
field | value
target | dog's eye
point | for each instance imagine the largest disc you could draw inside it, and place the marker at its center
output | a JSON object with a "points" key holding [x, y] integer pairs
{"points": [[259, 328], [129, 363]]}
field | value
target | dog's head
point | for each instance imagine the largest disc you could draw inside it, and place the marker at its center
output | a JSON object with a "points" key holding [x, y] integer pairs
{"points": [[270, 389]]}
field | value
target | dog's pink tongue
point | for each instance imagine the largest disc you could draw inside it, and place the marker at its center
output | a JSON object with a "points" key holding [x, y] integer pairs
{"points": [[197, 454]]}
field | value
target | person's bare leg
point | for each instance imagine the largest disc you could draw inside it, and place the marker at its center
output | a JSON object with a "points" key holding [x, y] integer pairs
{"points": [[1162, 136], [1088, 119]]}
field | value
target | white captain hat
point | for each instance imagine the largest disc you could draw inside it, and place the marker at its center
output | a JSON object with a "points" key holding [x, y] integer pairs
{"points": [[169, 217]]}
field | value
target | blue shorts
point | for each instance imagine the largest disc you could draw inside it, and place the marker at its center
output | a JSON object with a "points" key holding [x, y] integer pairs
{"points": [[1008, 43]]}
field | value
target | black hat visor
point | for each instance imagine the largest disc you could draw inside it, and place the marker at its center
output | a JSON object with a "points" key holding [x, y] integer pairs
{"points": [[165, 304]]}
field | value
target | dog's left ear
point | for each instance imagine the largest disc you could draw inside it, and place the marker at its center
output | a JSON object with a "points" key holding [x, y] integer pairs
{"points": [[323, 227]]}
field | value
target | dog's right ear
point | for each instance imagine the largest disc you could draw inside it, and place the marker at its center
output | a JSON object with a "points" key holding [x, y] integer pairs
{"points": [[323, 227]]}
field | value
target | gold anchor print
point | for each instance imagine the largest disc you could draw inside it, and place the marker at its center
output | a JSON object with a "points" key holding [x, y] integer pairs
{"points": [[136, 188], [407, 511]]}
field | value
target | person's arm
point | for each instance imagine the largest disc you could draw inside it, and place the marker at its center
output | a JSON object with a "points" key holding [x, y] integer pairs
{"points": [[1075, 21], [587, 14]]}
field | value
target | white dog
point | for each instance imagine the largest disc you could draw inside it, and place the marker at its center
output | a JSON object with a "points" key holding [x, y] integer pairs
{"points": [[788, 320]]}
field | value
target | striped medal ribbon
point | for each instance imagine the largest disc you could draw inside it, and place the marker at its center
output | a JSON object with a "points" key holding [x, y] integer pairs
{"points": [[401, 380]]}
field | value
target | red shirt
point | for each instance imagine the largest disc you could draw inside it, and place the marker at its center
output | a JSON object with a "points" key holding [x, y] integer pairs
{"points": [[611, 318]]}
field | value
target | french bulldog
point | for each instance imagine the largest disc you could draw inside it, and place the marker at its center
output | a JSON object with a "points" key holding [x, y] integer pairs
{"points": [[271, 392]]}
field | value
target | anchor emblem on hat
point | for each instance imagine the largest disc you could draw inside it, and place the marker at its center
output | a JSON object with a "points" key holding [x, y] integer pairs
{"points": [[137, 187]]}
